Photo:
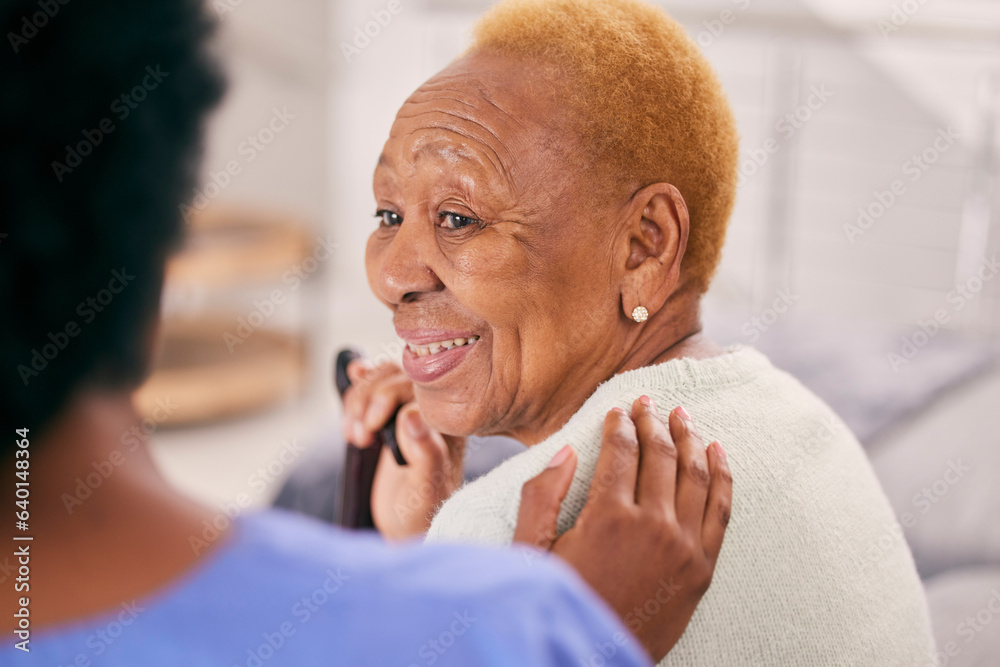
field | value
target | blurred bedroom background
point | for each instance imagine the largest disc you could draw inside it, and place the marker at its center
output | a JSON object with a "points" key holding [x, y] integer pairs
{"points": [[862, 254]]}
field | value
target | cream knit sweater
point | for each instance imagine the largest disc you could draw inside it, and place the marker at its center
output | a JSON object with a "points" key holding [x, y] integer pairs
{"points": [[813, 570]]}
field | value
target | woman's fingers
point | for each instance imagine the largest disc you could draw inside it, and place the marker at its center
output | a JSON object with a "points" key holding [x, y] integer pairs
{"points": [[541, 499], [657, 459], [375, 394], [358, 369], [422, 447], [693, 477], [618, 461], [720, 502], [383, 400], [404, 498]]}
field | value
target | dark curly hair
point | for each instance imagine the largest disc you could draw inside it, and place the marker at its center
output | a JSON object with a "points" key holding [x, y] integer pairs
{"points": [[101, 107]]}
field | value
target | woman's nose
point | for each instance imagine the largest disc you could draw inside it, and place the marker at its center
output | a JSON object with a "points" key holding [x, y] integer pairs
{"points": [[405, 271]]}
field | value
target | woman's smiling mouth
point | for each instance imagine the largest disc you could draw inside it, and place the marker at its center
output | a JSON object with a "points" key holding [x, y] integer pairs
{"points": [[439, 346], [429, 355]]}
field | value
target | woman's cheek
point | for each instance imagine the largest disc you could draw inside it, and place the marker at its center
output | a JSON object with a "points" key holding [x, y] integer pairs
{"points": [[490, 256], [374, 250], [492, 270]]}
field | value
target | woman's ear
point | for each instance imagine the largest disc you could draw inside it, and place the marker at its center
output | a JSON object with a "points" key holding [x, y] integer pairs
{"points": [[657, 227]]}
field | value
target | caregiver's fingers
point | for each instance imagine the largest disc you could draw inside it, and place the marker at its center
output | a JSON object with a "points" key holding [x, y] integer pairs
{"points": [[657, 460], [617, 462], [693, 477], [541, 499], [720, 502]]}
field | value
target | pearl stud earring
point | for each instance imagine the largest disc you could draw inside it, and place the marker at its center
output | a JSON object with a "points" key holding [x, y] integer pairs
{"points": [[640, 314]]}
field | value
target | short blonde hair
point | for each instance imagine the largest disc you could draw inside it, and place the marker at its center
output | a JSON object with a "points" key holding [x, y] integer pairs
{"points": [[649, 105]]}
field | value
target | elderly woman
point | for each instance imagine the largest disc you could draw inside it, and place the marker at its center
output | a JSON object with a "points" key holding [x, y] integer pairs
{"points": [[551, 208]]}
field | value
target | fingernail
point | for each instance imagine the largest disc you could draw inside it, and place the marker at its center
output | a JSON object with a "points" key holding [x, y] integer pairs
{"points": [[722, 452], [560, 457], [648, 402], [360, 367], [374, 408], [618, 410], [683, 414], [415, 425], [360, 434]]}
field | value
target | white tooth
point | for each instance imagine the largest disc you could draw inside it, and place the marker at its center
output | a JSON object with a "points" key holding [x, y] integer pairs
{"points": [[435, 348], [422, 351], [448, 344], [459, 342]]}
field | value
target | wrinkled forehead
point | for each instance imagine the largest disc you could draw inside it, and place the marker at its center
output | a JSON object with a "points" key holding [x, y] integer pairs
{"points": [[493, 114]]}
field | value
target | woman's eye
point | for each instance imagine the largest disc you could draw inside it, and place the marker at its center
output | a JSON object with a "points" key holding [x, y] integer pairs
{"points": [[455, 221], [388, 218]]}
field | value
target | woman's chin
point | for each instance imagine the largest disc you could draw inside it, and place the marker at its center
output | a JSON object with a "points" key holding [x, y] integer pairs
{"points": [[454, 419]]}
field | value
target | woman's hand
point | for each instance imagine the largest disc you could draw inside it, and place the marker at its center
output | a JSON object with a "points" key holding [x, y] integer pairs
{"points": [[403, 497], [649, 536]]}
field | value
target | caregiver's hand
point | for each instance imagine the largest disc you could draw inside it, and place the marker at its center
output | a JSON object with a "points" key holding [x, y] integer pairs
{"points": [[649, 536], [403, 497]]}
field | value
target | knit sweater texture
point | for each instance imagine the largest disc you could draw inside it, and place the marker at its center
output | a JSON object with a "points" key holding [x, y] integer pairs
{"points": [[814, 569]]}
